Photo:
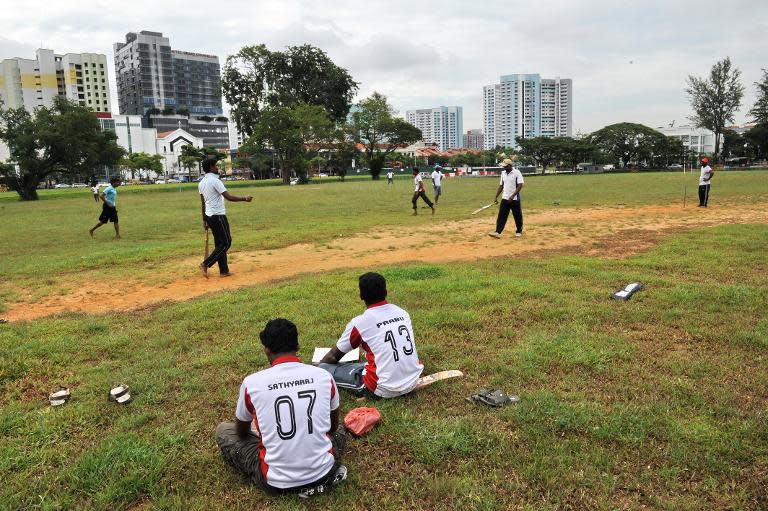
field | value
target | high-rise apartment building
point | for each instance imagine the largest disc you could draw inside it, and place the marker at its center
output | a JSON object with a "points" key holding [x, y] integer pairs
{"points": [[525, 105], [150, 74], [473, 139], [443, 125], [79, 77]]}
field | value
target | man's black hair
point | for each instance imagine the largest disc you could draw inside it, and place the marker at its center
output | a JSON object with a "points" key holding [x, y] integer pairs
{"points": [[208, 164], [415, 169], [112, 180], [280, 336], [373, 288]]}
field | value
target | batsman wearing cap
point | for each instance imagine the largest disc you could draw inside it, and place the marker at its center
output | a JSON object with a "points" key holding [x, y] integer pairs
{"points": [[704, 182], [510, 185]]}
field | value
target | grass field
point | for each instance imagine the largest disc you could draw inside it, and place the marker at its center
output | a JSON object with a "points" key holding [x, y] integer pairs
{"points": [[660, 402]]}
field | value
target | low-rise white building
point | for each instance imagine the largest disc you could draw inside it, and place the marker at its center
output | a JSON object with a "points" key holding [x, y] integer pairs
{"points": [[169, 145], [698, 140]]}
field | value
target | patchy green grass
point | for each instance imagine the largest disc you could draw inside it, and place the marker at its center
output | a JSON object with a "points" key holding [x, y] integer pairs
{"points": [[660, 402]]}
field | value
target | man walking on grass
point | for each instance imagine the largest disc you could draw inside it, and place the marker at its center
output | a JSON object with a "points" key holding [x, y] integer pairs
{"points": [[510, 185], [419, 191], [437, 180], [704, 182], [109, 208], [286, 436], [212, 195], [390, 177], [385, 333]]}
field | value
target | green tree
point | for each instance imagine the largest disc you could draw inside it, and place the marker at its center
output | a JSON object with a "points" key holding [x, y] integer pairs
{"points": [[571, 152], [759, 111], [543, 150], [63, 139], [256, 78], [625, 142], [143, 162], [716, 99], [375, 126], [757, 141], [288, 131], [733, 144]]}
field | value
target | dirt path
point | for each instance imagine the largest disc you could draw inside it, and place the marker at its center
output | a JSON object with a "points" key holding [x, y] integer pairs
{"points": [[601, 232]]}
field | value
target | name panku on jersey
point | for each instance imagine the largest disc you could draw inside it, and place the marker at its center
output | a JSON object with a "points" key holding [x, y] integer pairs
{"points": [[385, 332], [290, 405]]}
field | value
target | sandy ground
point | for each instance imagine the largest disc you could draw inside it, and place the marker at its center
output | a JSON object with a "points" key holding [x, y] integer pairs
{"points": [[607, 232]]}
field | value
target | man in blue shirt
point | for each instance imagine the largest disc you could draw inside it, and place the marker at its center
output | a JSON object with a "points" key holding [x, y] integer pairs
{"points": [[109, 209]]}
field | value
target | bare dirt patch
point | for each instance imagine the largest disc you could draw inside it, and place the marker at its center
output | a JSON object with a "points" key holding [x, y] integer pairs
{"points": [[608, 232]]}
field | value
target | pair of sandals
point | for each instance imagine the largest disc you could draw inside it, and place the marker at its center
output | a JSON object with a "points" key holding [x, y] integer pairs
{"points": [[496, 398], [120, 394]]}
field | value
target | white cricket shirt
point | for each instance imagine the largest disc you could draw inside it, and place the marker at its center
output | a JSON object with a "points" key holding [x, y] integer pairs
{"points": [[706, 175], [390, 175], [417, 181], [95, 189], [510, 180], [211, 188], [290, 405], [437, 177], [385, 332]]}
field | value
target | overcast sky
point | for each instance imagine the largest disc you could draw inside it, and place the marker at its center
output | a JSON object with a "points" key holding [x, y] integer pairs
{"points": [[628, 59]]}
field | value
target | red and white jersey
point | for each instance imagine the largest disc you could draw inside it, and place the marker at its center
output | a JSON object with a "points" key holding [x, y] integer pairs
{"points": [[385, 332], [417, 181], [290, 405]]}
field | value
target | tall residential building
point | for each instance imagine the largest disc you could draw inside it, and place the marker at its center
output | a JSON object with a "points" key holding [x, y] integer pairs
{"points": [[473, 139], [525, 105], [79, 77], [443, 125], [150, 74]]}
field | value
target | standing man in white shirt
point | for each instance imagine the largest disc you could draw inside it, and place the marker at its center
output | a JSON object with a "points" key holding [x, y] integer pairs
{"points": [[419, 191], [510, 185], [384, 331], [704, 181], [95, 190], [212, 195], [285, 436], [390, 177], [437, 180]]}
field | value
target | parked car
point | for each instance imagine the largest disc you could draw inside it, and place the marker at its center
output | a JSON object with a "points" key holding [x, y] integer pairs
{"points": [[294, 180], [675, 166], [62, 185], [159, 181], [609, 167], [322, 174], [172, 180], [79, 185]]}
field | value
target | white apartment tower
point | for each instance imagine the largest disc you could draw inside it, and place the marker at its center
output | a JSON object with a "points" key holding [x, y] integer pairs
{"points": [[525, 105], [32, 83], [443, 125]]}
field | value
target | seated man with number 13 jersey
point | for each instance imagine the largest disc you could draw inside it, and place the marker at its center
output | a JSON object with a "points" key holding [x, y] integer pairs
{"points": [[385, 333]]}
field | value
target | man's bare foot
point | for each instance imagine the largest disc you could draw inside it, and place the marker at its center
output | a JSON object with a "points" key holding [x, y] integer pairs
{"points": [[90, 231], [414, 213], [117, 238], [204, 270], [228, 274]]}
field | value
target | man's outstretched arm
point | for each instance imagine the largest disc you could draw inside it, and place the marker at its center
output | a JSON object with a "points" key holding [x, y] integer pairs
{"points": [[235, 198], [333, 356]]}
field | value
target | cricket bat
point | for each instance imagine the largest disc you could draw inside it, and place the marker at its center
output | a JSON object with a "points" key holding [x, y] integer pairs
{"points": [[352, 356], [478, 210], [425, 381], [206, 245]]}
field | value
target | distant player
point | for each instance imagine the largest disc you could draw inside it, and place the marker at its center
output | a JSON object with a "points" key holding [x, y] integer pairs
{"points": [[384, 331], [390, 177], [285, 437], [109, 208], [704, 182], [212, 194], [419, 191], [437, 179], [95, 190], [510, 185]]}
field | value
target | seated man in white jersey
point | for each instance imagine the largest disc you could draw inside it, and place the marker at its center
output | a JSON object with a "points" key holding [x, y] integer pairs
{"points": [[285, 437], [385, 333]]}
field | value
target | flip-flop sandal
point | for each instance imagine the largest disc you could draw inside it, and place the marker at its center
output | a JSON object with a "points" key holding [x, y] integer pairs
{"points": [[120, 394], [338, 477], [496, 398], [60, 396], [3, 321]]}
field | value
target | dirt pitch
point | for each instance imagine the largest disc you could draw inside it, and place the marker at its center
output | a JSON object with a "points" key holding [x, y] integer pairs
{"points": [[607, 232]]}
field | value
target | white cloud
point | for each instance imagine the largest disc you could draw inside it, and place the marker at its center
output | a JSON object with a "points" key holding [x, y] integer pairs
{"points": [[428, 53]]}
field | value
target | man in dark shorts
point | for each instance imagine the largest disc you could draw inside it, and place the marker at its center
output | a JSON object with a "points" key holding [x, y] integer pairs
{"points": [[418, 191], [286, 436], [109, 208]]}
